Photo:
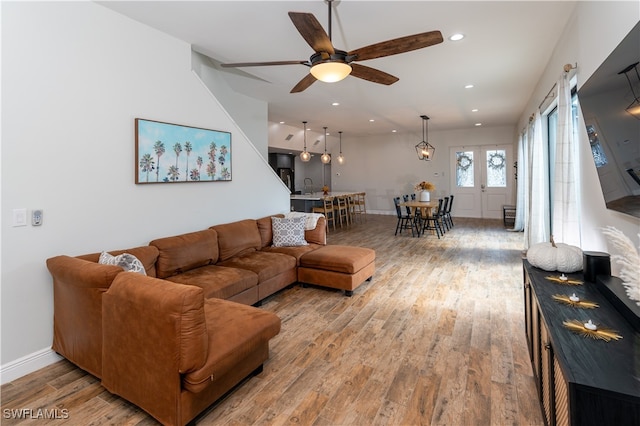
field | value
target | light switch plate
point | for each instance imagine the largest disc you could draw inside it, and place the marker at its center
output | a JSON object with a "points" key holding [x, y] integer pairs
{"points": [[19, 217]]}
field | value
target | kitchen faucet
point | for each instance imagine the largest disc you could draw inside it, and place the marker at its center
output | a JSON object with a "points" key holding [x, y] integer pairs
{"points": [[310, 185]]}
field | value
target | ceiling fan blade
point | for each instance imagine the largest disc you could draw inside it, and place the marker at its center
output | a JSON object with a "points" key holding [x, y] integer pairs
{"points": [[311, 30], [372, 74], [398, 45], [303, 84], [263, 64]]}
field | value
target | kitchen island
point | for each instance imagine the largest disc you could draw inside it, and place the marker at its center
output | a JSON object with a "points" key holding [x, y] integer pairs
{"points": [[306, 202]]}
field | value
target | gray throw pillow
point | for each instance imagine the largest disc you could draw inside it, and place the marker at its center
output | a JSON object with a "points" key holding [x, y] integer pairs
{"points": [[126, 261], [288, 232]]}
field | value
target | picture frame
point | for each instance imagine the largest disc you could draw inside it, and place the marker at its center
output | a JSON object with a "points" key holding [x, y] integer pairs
{"points": [[173, 153]]}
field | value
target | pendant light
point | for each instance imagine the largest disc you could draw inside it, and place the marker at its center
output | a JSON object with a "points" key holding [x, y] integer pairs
{"points": [[325, 158], [304, 155], [424, 149], [340, 156], [634, 106]]}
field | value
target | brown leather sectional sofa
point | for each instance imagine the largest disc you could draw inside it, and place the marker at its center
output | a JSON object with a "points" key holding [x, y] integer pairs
{"points": [[186, 330]]}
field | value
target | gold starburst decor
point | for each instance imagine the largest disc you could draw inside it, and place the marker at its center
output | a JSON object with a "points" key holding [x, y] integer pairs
{"points": [[562, 279], [574, 301], [589, 329]]}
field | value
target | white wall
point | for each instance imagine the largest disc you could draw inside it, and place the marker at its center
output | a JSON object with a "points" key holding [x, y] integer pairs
{"points": [[74, 77], [593, 33]]}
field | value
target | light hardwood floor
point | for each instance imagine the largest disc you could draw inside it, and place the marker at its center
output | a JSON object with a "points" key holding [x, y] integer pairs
{"points": [[437, 337]]}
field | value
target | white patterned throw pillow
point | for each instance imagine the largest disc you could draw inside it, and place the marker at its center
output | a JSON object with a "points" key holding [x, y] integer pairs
{"points": [[126, 261], [288, 232]]}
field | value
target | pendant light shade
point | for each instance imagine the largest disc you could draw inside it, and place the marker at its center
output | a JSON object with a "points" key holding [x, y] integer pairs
{"points": [[424, 149], [325, 158], [634, 106], [304, 155], [340, 156]]}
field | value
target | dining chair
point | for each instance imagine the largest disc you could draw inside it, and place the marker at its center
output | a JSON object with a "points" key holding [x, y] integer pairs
{"points": [[404, 221], [431, 221], [447, 213], [442, 216], [327, 210], [341, 210]]}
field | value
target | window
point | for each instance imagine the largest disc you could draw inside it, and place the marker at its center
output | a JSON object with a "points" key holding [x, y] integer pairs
{"points": [[496, 168], [464, 169]]}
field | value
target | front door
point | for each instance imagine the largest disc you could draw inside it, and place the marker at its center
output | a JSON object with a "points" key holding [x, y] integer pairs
{"points": [[480, 180]]}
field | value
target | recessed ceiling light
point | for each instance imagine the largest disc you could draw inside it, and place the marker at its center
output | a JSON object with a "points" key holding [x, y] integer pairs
{"points": [[393, 131], [478, 124], [335, 103], [282, 122], [371, 120], [456, 37], [468, 86], [474, 110]]}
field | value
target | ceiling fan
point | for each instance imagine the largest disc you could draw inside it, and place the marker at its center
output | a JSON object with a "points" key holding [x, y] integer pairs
{"points": [[330, 64]]}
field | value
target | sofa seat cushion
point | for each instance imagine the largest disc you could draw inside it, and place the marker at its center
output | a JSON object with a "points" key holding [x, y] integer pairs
{"points": [[234, 331], [181, 253], [344, 259], [266, 265], [218, 281], [296, 252]]}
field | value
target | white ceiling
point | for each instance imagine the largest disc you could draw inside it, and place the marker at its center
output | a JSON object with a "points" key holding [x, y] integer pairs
{"points": [[506, 49]]}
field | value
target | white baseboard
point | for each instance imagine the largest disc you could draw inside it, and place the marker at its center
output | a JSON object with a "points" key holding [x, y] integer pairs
{"points": [[383, 212], [27, 364]]}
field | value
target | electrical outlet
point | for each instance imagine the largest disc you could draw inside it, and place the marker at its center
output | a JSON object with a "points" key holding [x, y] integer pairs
{"points": [[36, 217]]}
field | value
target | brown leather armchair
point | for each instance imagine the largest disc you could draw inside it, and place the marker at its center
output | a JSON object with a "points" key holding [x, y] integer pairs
{"points": [[173, 353], [78, 285]]}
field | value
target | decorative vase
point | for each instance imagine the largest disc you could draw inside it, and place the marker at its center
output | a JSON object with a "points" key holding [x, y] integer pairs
{"points": [[425, 196]]}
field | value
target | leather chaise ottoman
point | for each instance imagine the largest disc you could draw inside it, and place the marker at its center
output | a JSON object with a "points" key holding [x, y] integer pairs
{"points": [[339, 267]]}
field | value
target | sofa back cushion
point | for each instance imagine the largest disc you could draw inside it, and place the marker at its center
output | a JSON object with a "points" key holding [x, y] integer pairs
{"points": [[237, 238], [184, 252], [266, 230], [147, 255]]}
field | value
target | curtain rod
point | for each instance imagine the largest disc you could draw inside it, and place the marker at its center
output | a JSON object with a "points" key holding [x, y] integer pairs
{"points": [[566, 68]]}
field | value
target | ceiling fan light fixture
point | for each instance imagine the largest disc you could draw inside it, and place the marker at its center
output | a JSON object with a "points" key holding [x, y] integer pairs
{"points": [[331, 71]]}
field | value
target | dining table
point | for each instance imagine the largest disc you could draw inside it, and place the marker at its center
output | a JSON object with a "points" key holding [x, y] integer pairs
{"points": [[424, 206]]}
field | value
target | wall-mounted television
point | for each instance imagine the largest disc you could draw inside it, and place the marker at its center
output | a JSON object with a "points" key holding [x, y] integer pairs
{"points": [[614, 133]]}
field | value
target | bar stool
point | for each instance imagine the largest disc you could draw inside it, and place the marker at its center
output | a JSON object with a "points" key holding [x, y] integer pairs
{"points": [[341, 209], [327, 210]]}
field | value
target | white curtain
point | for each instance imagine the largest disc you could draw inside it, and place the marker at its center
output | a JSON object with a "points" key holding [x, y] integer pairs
{"points": [[537, 227], [566, 214], [521, 184]]}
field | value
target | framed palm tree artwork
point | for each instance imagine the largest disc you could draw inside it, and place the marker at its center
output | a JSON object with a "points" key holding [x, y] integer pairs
{"points": [[172, 153]]}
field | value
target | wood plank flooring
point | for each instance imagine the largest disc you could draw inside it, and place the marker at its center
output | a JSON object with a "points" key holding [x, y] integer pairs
{"points": [[437, 337]]}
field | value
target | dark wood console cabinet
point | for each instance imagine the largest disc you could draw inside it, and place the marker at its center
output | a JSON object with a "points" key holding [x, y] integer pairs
{"points": [[580, 381]]}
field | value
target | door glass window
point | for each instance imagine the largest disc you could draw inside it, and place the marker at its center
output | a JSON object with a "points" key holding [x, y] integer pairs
{"points": [[596, 148], [464, 169], [496, 168]]}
